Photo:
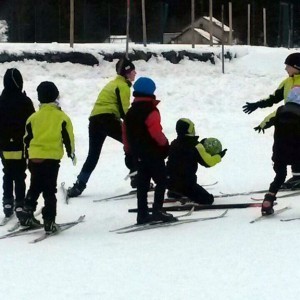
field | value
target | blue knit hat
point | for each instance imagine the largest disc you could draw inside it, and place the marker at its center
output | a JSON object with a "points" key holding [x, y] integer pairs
{"points": [[144, 86]]}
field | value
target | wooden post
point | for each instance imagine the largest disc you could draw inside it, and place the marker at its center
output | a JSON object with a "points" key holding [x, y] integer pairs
{"points": [[71, 23], [193, 22], [127, 27], [144, 24], [265, 26], [230, 23], [222, 14], [248, 31], [210, 23]]}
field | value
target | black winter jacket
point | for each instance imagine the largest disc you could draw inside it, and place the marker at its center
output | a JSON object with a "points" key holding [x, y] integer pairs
{"points": [[286, 147], [15, 108]]}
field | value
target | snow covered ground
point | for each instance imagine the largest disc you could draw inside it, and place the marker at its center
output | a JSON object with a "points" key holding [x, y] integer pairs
{"points": [[227, 258]]}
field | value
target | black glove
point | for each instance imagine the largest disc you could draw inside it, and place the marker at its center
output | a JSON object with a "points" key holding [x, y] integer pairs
{"points": [[130, 162], [223, 152], [259, 129], [248, 108]]}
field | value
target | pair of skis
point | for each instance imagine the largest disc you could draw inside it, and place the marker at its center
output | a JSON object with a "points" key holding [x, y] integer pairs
{"points": [[159, 224], [133, 192], [44, 235]]}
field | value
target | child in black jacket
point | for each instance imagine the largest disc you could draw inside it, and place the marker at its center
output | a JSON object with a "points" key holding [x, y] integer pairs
{"points": [[185, 153], [15, 108], [286, 147]]}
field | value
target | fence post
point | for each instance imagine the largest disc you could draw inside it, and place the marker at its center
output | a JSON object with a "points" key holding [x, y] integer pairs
{"points": [[193, 22], [71, 23], [265, 26]]}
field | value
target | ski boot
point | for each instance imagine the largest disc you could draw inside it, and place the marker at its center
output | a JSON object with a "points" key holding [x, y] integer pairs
{"points": [[8, 207], [293, 183], [77, 189], [267, 205], [51, 227], [159, 215], [26, 218]]}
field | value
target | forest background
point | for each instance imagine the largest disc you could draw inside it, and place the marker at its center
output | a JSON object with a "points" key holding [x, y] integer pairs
{"points": [[95, 20]]}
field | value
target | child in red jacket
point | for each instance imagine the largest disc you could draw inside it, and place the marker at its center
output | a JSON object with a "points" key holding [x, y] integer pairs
{"points": [[143, 138]]}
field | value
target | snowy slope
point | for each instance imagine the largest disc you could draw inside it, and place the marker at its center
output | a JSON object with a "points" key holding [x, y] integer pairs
{"points": [[220, 259]]}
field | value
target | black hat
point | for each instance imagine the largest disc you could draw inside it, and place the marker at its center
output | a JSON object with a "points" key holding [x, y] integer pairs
{"points": [[13, 79], [293, 60], [185, 126], [124, 66], [47, 92]]}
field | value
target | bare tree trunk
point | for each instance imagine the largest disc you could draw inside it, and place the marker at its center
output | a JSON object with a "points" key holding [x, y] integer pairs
{"points": [[210, 23], [193, 22], [222, 14], [127, 27], [144, 24], [230, 23], [71, 23], [265, 26], [248, 31]]}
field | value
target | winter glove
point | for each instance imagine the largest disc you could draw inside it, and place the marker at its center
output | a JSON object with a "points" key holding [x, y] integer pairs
{"points": [[259, 129], [130, 162], [223, 152], [248, 108], [74, 159]]}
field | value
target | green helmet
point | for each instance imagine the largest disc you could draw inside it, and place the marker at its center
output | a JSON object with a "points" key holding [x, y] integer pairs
{"points": [[212, 146]]}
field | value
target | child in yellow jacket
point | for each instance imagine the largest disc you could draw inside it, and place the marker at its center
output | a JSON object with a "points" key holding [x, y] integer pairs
{"points": [[46, 132]]}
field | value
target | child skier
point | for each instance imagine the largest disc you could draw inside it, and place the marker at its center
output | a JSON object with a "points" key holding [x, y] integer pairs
{"points": [[185, 153], [293, 69], [46, 132], [15, 108], [143, 138], [286, 147]]}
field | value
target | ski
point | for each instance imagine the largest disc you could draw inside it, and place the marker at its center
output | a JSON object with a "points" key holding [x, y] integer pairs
{"points": [[169, 224], [280, 196], [5, 220], [210, 184], [21, 231], [62, 228], [121, 196], [224, 195], [65, 192], [198, 207], [138, 225], [29, 230], [18, 225], [276, 212], [291, 219]]}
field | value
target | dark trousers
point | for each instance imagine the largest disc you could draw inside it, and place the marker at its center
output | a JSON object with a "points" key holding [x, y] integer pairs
{"points": [[43, 180], [296, 169], [14, 186], [281, 172], [156, 170], [100, 127], [198, 194]]}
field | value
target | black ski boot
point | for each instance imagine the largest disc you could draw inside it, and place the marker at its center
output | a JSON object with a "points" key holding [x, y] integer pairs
{"points": [[50, 226], [143, 218], [26, 218], [159, 215], [293, 183], [267, 205], [8, 207], [77, 189]]}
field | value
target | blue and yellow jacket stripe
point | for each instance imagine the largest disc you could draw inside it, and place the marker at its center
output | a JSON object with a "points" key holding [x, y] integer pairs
{"points": [[46, 132], [114, 98]]}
